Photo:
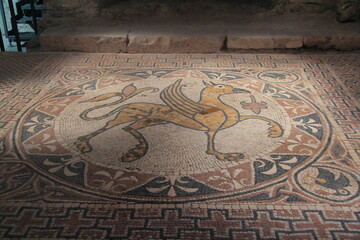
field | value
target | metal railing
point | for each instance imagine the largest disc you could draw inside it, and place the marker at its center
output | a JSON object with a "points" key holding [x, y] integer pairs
{"points": [[19, 17], [2, 47], [2, 15], [14, 25]]}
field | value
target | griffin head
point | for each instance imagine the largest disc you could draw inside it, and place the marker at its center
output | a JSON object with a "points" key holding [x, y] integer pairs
{"points": [[221, 89]]}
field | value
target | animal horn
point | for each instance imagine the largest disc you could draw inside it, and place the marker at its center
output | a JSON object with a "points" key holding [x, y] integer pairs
{"points": [[213, 83]]}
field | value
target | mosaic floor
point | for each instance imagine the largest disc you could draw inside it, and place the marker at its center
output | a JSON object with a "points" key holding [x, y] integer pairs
{"points": [[227, 146]]}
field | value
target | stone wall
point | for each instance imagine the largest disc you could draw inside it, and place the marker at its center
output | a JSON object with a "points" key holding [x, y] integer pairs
{"points": [[168, 26], [347, 10], [125, 9], [71, 8]]}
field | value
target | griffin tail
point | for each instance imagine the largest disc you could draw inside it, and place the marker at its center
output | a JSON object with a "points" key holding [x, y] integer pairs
{"points": [[123, 97], [275, 130]]}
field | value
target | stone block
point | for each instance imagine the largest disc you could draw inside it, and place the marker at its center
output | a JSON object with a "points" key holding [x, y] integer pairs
{"points": [[317, 42], [112, 44], [81, 43], [175, 39], [288, 42], [51, 43], [104, 37], [263, 42], [92, 44], [148, 44], [174, 44], [196, 44], [340, 43], [346, 42], [249, 42]]}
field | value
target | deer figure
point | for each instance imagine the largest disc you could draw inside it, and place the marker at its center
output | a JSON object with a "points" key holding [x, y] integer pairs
{"points": [[209, 115]]}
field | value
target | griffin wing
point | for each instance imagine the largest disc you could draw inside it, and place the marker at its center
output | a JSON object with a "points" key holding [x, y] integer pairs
{"points": [[174, 98]]}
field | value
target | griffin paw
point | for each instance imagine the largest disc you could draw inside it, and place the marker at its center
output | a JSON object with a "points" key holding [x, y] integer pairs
{"points": [[83, 145], [275, 131], [134, 154], [230, 156]]}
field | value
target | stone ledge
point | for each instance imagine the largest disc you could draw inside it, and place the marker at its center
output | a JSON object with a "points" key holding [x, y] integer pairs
{"points": [[174, 44], [253, 42], [340, 43], [175, 38], [187, 37], [83, 38], [91, 44], [186, 44], [334, 42]]}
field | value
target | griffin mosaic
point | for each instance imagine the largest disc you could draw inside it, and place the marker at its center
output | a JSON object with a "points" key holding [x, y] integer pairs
{"points": [[281, 162], [182, 135]]}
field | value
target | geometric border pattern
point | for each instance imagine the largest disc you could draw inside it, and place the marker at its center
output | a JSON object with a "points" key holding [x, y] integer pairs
{"points": [[175, 223], [23, 78]]}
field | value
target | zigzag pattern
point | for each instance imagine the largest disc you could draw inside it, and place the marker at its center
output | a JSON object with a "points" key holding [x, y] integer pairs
{"points": [[349, 77], [22, 78], [15, 67], [185, 60], [173, 223], [344, 110]]}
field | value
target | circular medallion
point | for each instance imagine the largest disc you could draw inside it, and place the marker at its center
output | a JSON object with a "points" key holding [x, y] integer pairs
{"points": [[81, 75], [171, 135]]}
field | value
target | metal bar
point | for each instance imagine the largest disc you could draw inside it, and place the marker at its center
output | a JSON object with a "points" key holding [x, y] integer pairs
{"points": [[2, 13], [2, 47], [14, 25], [33, 13]]}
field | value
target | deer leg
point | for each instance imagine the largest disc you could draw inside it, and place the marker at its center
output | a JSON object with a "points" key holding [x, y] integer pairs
{"points": [[142, 147], [221, 156]]}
